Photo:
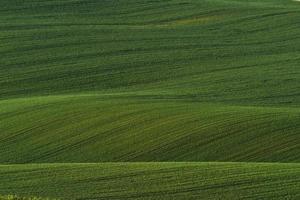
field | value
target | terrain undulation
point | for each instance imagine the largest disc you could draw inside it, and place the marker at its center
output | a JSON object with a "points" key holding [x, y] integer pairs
{"points": [[150, 99]]}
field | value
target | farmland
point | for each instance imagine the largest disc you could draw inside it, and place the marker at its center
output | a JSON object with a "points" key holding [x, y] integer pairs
{"points": [[154, 180], [150, 99]]}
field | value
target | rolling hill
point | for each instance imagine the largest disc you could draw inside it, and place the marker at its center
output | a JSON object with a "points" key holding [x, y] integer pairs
{"points": [[116, 128], [150, 99], [154, 180]]}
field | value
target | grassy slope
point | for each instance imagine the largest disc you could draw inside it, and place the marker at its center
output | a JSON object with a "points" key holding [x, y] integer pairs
{"points": [[216, 51], [230, 69], [210, 80], [107, 128], [154, 181]]}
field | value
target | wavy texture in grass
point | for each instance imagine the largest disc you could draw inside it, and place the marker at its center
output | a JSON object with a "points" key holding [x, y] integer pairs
{"points": [[246, 53], [154, 181], [116, 128], [150, 80]]}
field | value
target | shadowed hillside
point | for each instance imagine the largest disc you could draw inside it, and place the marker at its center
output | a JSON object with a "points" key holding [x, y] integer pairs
{"points": [[240, 52]]}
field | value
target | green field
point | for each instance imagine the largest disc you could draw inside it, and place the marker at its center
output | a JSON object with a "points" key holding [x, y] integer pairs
{"points": [[154, 180], [150, 99]]}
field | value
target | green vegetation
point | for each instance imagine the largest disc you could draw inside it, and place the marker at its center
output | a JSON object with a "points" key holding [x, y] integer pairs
{"points": [[14, 197], [150, 81], [154, 180], [107, 128], [225, 51]]}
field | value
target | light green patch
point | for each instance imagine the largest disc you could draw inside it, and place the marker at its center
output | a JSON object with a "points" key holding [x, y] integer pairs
{"points": [[194, 20], [15, 197]]}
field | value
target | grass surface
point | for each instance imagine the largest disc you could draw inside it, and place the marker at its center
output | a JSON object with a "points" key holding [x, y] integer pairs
{"points": [[87, 81], [239, 52], [154, 180], [14, 197], [107, 128]]}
